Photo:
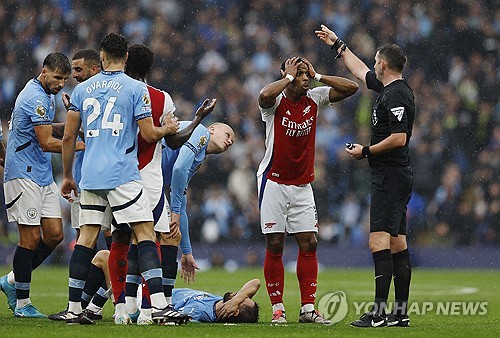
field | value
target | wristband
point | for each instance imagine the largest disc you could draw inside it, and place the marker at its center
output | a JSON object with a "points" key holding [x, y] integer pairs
{"points": [[317, 77], [290, 77], [337, 44], [366, 152]]}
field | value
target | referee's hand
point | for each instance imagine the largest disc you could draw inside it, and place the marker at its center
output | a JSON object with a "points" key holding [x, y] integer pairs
{"points": [[356, 151]]}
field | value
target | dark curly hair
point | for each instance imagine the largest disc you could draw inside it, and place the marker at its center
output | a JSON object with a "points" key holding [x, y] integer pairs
{"points": [[139, 62], [114, 45]]}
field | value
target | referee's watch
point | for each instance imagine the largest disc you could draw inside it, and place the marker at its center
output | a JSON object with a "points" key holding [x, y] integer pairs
{"points": [[366, 152]]}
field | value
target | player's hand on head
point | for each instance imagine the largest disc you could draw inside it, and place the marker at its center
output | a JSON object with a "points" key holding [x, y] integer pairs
{"points": [[66, 100], [312, 72], [326, 35], [291, 66], [206, 108], [228, 309]]}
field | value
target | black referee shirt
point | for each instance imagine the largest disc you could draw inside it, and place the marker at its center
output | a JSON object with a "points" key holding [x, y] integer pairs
{"points": [[393, 112]]}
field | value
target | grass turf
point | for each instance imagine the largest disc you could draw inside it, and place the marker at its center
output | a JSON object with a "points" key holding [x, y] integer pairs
{"points": [[49, 295]]}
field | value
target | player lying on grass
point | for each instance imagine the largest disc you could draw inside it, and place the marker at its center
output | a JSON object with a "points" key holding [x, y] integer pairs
{"points": [[202, 306]]}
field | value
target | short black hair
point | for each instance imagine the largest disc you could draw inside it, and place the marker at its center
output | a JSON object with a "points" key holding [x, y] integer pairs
{"points": [[115, 45], [90, 56], [58, 62], [140, 61], [394, 55], [246, 314]]}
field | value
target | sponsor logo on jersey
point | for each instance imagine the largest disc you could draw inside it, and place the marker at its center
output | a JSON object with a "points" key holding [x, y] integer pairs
{"points": [[288, 112], [40, 110], [398, 112], [269, 225]]}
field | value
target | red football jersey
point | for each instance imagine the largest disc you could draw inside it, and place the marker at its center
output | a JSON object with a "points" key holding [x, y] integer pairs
{"points": [[291, 137]]}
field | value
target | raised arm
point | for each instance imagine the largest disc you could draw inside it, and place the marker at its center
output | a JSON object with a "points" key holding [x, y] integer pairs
{"points": [[268, 94], [357, 67], [340, 87], [178, 139]]}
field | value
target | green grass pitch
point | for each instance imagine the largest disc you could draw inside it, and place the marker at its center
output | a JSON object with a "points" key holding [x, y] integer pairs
{"points": [[49, 294]]}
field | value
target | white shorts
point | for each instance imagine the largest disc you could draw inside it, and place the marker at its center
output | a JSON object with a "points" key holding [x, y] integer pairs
{"points": [[75, 212], [27, 203], [286, 208], [161, 215], [127, 203]]}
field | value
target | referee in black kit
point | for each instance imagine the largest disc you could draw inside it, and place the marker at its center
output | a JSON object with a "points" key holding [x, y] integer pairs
{"points": [[392, 122]]}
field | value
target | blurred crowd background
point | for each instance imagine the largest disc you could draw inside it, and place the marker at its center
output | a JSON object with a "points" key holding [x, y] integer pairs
{"points": [[229, 50]]}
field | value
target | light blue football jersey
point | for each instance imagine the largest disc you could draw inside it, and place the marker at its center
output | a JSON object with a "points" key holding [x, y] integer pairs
{"points": [[198, 304], [25, 157], [178, 167], [1, 133], [110, 104]]}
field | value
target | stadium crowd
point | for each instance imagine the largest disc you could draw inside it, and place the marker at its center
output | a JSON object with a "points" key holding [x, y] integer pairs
{"points": [[231, 49]]}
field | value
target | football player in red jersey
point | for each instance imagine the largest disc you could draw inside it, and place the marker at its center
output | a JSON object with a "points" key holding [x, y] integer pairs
{"points": [[290, 110]]}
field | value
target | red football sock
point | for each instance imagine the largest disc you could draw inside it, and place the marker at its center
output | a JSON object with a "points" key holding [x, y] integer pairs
{"points": [[274, 273], [146, 297], [158, 247], [307, 274], [118, 267]]}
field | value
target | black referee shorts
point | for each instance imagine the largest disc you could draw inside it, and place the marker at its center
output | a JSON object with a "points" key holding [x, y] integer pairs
{"points": [[391, 191]]}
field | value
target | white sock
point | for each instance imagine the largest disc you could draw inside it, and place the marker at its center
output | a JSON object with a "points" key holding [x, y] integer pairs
{"points": [[22, 302], [75, 307], [158, 300], [94, 308], [145, 313], [10, 278], [120, 309], [278, 306], [307, 308], [168, 300], [131, 304]]}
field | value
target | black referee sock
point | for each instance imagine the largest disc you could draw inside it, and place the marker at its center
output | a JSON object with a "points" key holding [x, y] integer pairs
{"points": [[22, 268], [41, 253], [169, 268], [402, 277], [383, 277]]}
